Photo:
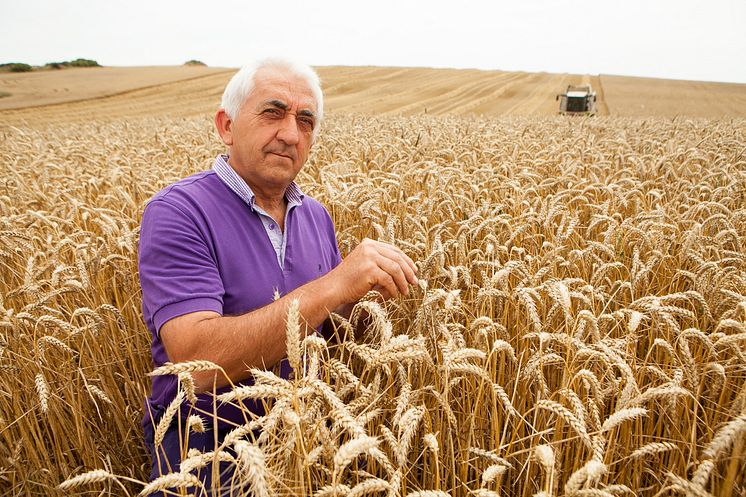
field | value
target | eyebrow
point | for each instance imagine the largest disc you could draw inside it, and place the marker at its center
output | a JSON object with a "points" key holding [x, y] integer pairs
{"points": [[277, 103], [283, 106]]}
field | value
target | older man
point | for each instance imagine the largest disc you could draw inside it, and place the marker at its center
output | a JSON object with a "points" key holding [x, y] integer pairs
{"points": [[217, 246]]}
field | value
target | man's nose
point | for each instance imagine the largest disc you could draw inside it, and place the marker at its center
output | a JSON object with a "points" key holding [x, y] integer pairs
{"points": [[289, 132]]}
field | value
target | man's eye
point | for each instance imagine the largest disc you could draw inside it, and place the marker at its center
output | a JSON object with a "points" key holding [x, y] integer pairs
{"points": [[306, 122], [272, 112]]}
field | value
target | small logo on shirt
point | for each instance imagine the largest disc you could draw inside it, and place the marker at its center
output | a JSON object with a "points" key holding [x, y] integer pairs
{"points": [[319, 268]]}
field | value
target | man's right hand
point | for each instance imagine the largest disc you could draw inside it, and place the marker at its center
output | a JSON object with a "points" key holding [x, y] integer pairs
{"points": [[373, 265], [257, 338]]}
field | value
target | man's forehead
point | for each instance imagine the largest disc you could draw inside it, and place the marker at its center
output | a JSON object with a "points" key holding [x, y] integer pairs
{"points": [[271, 84]]}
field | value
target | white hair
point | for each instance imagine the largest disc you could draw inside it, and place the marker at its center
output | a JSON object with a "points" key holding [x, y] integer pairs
{"points": [[242, 84]]}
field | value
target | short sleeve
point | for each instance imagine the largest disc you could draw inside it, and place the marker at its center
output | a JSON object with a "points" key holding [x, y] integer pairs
{"points": [[178, 271]]}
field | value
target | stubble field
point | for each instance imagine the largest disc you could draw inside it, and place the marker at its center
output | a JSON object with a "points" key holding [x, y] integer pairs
{"points": [[93, 94], [580, 328]]}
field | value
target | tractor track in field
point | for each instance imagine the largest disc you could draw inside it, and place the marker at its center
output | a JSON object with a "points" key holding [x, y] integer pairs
{"points": [[602, 107]]}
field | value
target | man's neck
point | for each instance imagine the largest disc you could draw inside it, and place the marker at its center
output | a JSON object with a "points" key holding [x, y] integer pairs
{"points": [[275, 205], [268, 195], [271, 200], [271, 204]]}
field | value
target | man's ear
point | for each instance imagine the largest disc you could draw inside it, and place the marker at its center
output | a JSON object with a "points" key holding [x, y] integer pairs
{"points": [[224, 125]]}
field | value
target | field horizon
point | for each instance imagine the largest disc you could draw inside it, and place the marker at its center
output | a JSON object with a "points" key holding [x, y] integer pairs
{"points": [[77, 94]]}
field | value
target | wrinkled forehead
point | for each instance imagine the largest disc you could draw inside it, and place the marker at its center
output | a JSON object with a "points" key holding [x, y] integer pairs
{"points": [[279, 84]]}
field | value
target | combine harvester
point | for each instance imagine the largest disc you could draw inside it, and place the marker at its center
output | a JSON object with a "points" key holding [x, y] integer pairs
{"points": [[578, 100]]}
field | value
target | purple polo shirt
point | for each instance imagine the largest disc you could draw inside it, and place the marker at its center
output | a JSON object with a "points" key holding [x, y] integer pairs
{"points": [[204, 248]]}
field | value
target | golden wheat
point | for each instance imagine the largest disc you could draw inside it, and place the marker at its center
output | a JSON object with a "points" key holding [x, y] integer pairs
{"points": [[578, 328]]}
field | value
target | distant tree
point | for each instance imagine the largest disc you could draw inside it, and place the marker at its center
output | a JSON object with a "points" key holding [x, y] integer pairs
{"points": [[72, 63], [4, 94], [21, 67], [194, 62], [16, 67], [84, 63]]}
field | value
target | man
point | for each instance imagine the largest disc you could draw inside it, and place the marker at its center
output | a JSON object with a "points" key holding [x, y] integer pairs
{"points": [[217, 246]]}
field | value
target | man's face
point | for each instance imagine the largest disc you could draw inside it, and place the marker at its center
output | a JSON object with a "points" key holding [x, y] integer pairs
{"points": [[270, 138]]}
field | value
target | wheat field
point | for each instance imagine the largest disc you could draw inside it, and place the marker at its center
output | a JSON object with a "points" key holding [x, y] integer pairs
{"points": [[579, 328]]}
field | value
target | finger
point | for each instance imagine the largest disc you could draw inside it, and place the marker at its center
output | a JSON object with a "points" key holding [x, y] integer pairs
{"points": [[410, 269], [387, 283], [394, 251], [401, 253], [395, 271], [406, 264]]}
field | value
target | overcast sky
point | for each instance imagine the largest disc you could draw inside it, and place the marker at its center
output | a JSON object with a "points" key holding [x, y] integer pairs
{"points": [[679, 39]]}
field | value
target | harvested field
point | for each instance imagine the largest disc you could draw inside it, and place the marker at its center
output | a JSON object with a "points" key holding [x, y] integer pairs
{"points": [[42, 88], [637, 97], [580, 328], [196, 91]]}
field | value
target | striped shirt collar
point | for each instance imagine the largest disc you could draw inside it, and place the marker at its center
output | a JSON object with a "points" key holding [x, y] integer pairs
{"points": [[232, 180]]}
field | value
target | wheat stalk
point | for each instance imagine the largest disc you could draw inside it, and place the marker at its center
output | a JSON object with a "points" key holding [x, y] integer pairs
{"points": [[42, 389], [569, 417], [292, 334], [171, 480], [184, 367], [95, 476], [253, 466], [653, 448], [349, 451], [165, 422], [369, 486], [621, 416], [725, 437]]}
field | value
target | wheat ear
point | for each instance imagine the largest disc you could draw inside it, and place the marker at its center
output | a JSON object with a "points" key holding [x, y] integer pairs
{"points": [[292, 335], [95, 476]]}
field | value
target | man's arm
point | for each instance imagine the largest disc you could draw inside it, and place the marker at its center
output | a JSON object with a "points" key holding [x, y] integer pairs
{"points": [[257, 338]]}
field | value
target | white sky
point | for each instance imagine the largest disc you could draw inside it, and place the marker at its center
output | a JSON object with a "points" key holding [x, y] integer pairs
{"points": [[679, 39]]}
